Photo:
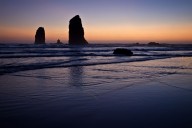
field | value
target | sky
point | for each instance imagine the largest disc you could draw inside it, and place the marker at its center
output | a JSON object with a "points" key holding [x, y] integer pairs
{"points": [[127, 21]]}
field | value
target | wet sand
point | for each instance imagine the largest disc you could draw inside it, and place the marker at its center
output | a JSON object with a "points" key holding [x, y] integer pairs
{"points": [[155, 93]]}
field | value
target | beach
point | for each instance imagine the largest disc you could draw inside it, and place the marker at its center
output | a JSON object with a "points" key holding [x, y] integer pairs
{"points": [[92, 88]]}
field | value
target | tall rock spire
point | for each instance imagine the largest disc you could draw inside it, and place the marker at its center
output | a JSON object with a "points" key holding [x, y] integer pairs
{"points": [[76, 32], [40, 36]]}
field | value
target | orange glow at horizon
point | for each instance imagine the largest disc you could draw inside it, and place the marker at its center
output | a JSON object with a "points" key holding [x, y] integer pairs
{"points": [[105, 33], [103, 21], [141, 33]]}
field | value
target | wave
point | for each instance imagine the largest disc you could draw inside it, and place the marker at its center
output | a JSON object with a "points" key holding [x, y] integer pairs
{"points": [[71, 63], [22, 57]]}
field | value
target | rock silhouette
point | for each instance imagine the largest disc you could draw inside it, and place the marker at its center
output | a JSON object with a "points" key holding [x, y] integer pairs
{"points": [[123, 51], [59, 42], [40, 36], [153, 43], [76, 32]]}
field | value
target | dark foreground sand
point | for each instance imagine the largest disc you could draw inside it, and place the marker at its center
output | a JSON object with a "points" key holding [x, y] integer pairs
{"points": [[148, 94]]}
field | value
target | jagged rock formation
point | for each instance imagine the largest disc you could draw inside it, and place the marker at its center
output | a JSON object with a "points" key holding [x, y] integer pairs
{"points": [[40, 36], [123, 51], [76, 32]]}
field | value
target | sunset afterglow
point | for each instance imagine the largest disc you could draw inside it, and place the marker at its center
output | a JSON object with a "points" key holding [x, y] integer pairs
{"points": [[167, 21]]}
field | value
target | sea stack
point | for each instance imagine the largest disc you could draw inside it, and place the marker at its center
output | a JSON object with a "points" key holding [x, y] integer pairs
{"points": [[76, 32], [40, 36], [59, 42]]}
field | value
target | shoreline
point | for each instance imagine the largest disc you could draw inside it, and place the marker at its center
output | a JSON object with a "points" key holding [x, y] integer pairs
{"points": [[155, 93]]}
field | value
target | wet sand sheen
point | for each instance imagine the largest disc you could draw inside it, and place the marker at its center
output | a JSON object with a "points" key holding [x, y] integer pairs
{"points": [[155, 93]]}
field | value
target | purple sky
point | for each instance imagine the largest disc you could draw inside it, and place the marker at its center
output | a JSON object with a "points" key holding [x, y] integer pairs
{"points": [[102, 19]]}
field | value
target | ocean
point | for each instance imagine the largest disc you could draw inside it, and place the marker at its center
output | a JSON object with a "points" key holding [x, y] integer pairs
{"points": [[73, 86]]}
